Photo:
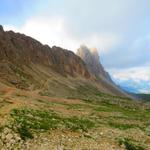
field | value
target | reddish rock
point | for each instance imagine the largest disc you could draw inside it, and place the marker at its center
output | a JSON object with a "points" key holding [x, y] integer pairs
{"points": [[20, 49]]}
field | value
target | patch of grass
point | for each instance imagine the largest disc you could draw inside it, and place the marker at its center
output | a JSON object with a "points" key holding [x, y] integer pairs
{"points": [[127, 112], [104, 109], [46, 103], [36, 119], [101, 94], [108, 107], [76, 106], [24, 79], [27, 121], [24, 132], [85, 91], [19, 72], [129, 144], [76, 124], [67, 105], [121, 126], [46, 93], [144, 97]]}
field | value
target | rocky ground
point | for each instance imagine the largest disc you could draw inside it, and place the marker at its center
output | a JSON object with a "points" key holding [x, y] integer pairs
{"points": [[29, 121]]}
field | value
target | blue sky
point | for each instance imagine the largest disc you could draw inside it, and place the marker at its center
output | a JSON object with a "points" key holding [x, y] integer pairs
{"points": [[120, 29]]}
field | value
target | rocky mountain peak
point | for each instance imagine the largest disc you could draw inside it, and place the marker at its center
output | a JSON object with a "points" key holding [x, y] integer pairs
{"points": [[24, 61], [95, 54], [94, 51], [19, 49], [92, 60]]}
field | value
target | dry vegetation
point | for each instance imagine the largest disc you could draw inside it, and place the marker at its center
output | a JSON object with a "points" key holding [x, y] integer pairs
{"points": [[82, 122]]}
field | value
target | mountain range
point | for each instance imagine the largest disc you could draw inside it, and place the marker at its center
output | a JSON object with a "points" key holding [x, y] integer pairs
{"points": [[27, 64], [52, 98]]}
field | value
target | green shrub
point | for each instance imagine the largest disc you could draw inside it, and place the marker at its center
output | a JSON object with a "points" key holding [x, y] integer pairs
{"points": [[129, 144], [26, 121], [122, 126], [76, 124]]}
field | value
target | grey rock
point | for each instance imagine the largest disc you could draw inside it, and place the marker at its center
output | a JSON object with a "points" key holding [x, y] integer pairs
{"points": [[9, 136]]}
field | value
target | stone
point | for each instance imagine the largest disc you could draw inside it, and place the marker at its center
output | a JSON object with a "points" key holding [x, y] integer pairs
{"points": [[9, 136], [101, 133], [6, 131], [17, 138], [12, 141]]}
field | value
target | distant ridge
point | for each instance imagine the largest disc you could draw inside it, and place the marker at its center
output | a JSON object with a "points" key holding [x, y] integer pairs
{"points": [[92, 61], [27, 64]]}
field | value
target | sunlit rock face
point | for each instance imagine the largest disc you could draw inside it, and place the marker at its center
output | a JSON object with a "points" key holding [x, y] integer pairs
{"points": [[19, 49], [24, 62], [92, 60]]}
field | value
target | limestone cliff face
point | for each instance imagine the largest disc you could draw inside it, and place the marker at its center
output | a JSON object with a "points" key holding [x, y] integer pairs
{"points": [[21, 50], [92, 60]]}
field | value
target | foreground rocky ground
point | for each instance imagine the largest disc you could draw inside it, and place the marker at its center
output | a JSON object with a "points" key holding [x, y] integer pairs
{"points": [[30, 121]]}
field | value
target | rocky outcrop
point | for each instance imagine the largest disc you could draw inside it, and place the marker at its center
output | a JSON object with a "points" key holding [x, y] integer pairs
{"points": [[27, 64], [23, 50], [10, 140], [92, 60]]}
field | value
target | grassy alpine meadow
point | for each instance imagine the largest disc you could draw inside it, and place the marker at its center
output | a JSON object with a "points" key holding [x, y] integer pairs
{"points": [[38, 121]]}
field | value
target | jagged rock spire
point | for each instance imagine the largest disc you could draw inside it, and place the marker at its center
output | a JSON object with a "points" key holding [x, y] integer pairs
{"points": [[92, 60]]}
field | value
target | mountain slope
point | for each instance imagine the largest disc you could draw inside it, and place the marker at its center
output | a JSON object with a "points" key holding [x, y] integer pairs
{"points": [[92, 61], [144, 97], [27, 64], [50, 99], [23, 50]]}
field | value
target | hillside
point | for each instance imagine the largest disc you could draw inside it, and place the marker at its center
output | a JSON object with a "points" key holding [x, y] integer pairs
{"points": [[144, 97], [52, 99], [27, 64], [94, 66], [29, 121]]}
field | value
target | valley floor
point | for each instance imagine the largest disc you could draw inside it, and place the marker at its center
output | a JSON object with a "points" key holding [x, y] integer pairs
{"points": [[29, 121]]}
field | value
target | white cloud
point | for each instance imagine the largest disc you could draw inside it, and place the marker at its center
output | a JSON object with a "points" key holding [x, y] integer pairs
{"points": [[145, 91], [51, 31], [135, 79], [55, 31], [104, 42], [137, 74]]}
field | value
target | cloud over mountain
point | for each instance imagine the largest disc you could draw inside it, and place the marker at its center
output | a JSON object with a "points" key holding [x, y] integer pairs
{"points": [[119, 29]]}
